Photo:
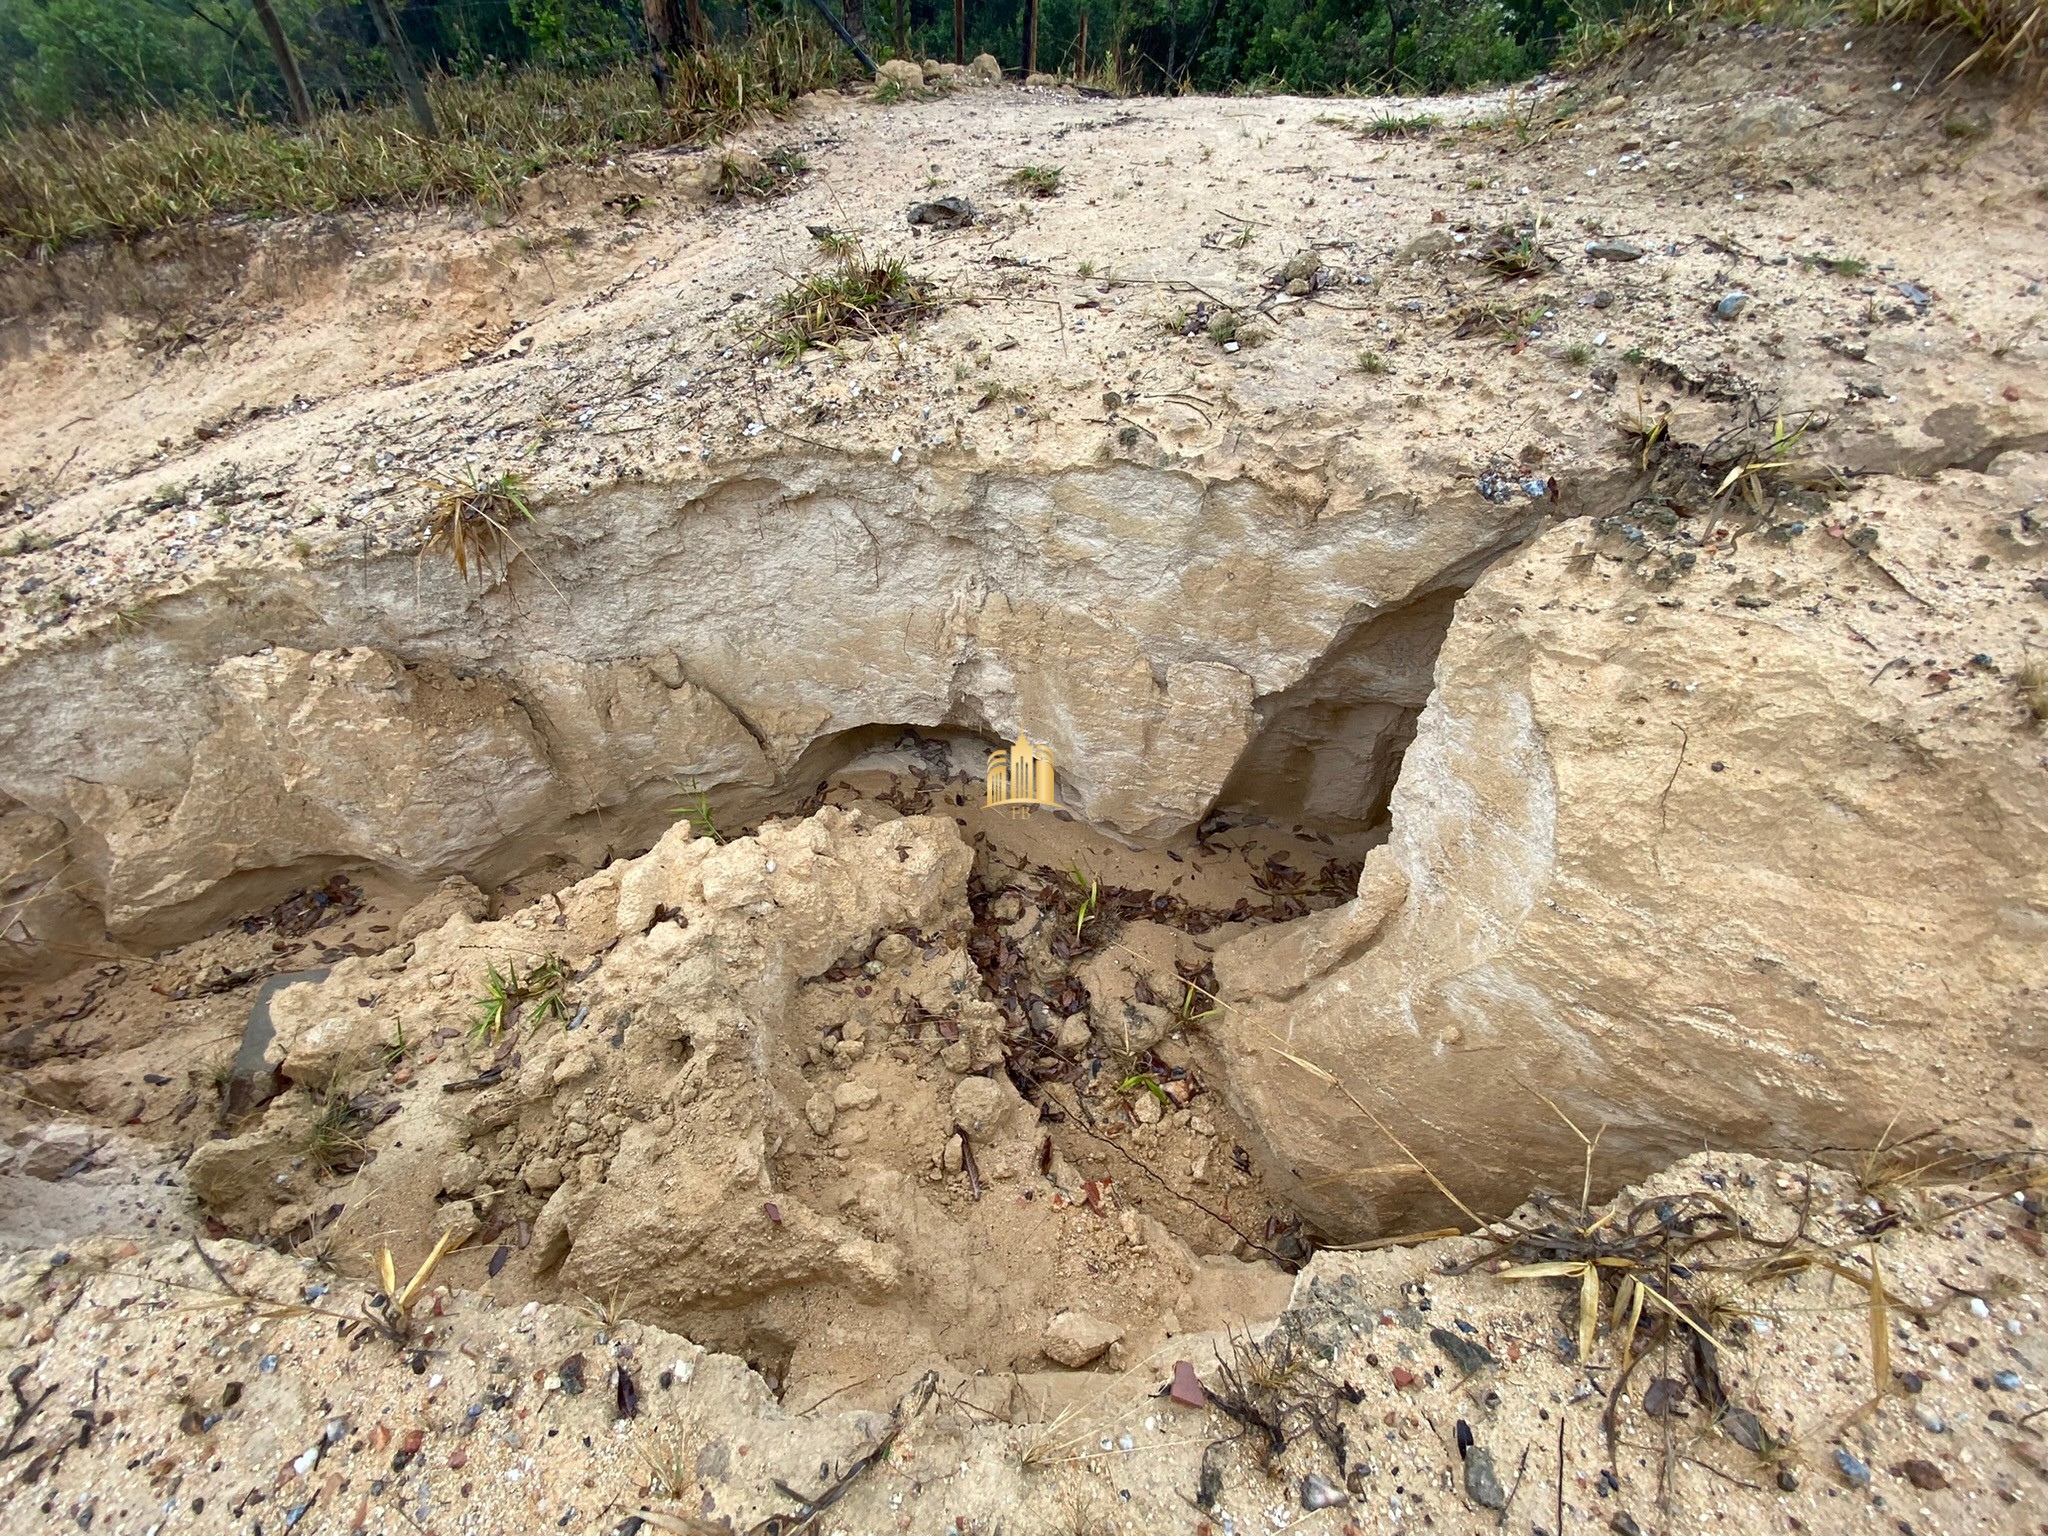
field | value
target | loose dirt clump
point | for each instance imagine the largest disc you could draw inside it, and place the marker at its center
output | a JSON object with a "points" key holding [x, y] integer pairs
{"points": [[880, 1086]]}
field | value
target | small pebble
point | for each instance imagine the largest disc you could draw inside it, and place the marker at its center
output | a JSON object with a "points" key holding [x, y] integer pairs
{"points": [[1318, 1492], [1854, 1472]]}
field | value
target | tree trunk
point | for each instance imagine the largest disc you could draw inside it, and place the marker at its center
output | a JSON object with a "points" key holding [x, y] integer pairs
{"points": [[1081, 50], [700, 26], [901, 28], [281, 49], [403, 66], [664, 25], [1030, 38], [959, 31]]}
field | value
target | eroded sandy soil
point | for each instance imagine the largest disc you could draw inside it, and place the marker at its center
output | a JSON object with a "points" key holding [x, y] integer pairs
{"points": [[1448, 770]]}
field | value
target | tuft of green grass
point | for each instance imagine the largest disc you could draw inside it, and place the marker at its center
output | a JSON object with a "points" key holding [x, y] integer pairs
{"points": [[473, 518], [543, 985], [888, 93], [832, 245], [742, 174], [1755, 469], [73, 181], [1578, 354], [1493, 317], [1145, 1082], [1514, 252], [856, 297], [1841, 266], [334, 1141], [1036, 180], [1091, 898], [395, 1050], [695, 808], [496, 1008], [2032, 681], [2011, 37], [1390, 126], [1373, 363]]}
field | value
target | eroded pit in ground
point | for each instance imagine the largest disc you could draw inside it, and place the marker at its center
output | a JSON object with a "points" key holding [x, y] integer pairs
{"points": [[892, 1081]]}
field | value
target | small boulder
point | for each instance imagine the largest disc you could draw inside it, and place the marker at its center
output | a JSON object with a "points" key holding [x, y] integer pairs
{"points": [[243, 1179], [458, 1218], [1614, 250], [820, 1111], [985, 69], [1041, 79], [982, 1104], [461, 1173], [903, 72], [49, 1150], [1133, 1027], [453, 897], [1075, 1339], [1482, 1482], [854, 1095], [1427, 246]]}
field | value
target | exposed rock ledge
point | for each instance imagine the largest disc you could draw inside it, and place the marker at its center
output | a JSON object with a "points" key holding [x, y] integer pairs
{"points": [[738, 636], [1726, 859]]}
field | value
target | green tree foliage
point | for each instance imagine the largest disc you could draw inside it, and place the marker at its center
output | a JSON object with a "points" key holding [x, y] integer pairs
{"points": [[106, 58]]}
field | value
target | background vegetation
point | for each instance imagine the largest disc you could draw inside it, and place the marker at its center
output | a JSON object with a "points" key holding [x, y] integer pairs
{"points": [[66, 59], [122, 116]]}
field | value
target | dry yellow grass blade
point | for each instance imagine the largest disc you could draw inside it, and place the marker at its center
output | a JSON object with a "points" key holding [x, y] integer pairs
{"points": [[1589, 1310], [1587, 1273], [1549, 1269], [1880, 1328], [1591, 1144], [387, 1272], [1381, 1170], [1668, 1305], [1380, 1125], [1628, 1297], [425, 1272]]}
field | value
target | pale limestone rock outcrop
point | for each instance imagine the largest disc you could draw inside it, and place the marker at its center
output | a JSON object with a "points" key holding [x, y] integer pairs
{"points": [[346, 754], [685, 1044], [737, 637], [1690, 868]]}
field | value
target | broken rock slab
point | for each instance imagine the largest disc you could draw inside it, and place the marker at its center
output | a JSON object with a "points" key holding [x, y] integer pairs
{"points": [[1075, 1339], [1686, 872]]}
